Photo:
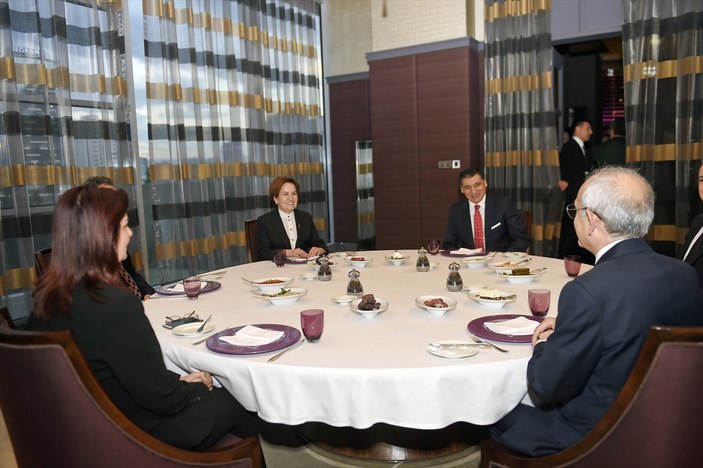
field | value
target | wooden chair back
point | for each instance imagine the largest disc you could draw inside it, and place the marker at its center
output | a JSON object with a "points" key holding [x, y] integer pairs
{"points": [[5, 318], [42, 258], [654, 421], [54, 400], [251, 227]]}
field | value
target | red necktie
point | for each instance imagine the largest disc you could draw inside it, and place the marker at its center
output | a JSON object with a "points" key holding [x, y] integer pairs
{"points": [[478, 228]]}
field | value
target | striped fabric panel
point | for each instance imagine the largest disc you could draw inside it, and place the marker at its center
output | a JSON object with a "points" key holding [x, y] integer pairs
{"points": [[64, 117], [522, 159], [663, 73], [234, 100]]}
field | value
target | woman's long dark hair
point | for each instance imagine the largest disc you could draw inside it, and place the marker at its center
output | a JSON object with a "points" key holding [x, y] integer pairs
{"points": [[83, 247]]}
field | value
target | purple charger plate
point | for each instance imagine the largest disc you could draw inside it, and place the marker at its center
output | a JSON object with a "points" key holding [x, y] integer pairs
{"points": [[477, 327], [209, 287], [290, 336]]}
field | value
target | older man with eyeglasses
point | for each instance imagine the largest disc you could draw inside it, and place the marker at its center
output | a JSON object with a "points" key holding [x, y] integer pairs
{"points": [[582, 359]]}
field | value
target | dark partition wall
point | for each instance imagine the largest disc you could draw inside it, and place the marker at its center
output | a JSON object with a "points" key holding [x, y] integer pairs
{"points": [[426, 107], [350, 121], [419, 105]]}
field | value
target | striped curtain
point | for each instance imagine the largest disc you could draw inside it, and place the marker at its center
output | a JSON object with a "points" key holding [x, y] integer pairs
{"points": [[234, 100], [64, 116], [522, 159], [663, 60]]}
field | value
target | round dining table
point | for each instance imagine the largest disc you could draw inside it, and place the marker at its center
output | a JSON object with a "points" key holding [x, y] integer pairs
{"points": [[361, 372]]}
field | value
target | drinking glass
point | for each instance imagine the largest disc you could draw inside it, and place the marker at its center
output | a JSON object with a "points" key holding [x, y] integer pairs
{"points": [[192, 287], [433, 246], [312, 322], [572, 265], [279, 258], [539, 299]]}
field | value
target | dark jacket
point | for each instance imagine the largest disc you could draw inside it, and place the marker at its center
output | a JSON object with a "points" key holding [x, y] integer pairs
{"points": [[271, 234], [504, 228]]}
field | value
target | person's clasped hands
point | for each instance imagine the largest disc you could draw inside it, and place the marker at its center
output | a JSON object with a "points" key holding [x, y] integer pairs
{"points": [[203, 377]]}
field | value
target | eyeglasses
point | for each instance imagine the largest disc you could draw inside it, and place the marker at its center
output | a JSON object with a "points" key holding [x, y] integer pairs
{"points": [[571, 210]]}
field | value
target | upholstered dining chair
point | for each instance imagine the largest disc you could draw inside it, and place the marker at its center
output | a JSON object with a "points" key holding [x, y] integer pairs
{"points": [[5, 318], [654, 421], [58, 415], [42, 258], [251, 227]]}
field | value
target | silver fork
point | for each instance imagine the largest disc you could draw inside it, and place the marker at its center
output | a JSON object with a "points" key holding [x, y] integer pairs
{"points": [[479, 340]]}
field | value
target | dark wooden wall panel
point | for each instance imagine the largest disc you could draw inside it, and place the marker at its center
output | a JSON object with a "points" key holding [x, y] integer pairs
{"points": [[350, 121], [425, 108], [395, 152]]}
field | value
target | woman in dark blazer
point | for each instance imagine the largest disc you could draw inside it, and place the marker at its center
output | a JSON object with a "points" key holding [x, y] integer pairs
{"points": [[83, 291], [287, 228]]}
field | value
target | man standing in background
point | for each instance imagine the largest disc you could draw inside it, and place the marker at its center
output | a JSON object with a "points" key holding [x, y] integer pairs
{"points": [[612, 152], [574, 165], [693, 245]]}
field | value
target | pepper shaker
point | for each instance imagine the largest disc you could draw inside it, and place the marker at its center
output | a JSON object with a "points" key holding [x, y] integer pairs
{"points": [[422, 264], [454, 281], [354, 287], [324, 273]]}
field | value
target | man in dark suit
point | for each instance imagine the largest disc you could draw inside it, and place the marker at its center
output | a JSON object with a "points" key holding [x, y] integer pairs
{"points": [[693, 245], [503, 229], [612, 152], [582, 358], [574, 164]]}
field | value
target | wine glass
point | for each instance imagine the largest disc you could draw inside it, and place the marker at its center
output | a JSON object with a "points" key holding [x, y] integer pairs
{"points": [[312, 321], [572, 265], [191, 285], [433, 246], [538, 300]]}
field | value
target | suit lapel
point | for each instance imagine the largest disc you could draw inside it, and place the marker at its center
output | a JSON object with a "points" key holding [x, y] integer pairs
{"points": [[468, 234]]}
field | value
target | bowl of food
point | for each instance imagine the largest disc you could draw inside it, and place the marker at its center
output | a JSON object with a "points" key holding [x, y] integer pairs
{"points": [[508, 265], [491, 298], [270, 284], [475, 263], [396, 258], [369, 306], [282, 296], [358, 261], [437, 306], [520, 275]]}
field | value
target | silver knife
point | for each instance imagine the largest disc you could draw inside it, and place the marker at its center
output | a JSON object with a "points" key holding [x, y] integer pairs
{"points": [[276, 356], [202, 327]]}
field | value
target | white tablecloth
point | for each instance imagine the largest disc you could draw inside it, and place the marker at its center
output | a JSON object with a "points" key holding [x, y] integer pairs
{"points": [[362, 372]]}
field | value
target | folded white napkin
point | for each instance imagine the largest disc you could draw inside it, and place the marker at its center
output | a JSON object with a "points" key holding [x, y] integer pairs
{"points": [[178, 287], [465, 251], [516, 326], [252, 336]]}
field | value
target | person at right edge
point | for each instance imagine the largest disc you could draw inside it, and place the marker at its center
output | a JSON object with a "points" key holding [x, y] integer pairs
{"points": [[574, 164], [693, 244], [582, 358]]}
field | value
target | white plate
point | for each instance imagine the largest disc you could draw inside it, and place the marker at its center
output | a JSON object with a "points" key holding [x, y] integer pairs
{"points": [[433, 265], [359, 263], [515, 255], [308, 276], [473, 287], [343, 300], [452, 353], [518, 279], [369, 314], [268, 287], [292, 296], [190, 329], [491, 303], [435, 311]]}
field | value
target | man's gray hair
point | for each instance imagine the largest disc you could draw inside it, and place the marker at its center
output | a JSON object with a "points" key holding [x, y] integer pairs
{"points": [[622, 199]]}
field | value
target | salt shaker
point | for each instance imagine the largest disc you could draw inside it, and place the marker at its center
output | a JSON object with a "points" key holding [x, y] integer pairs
{"points": [[324, 273], [354, 287], [422, 264], [454, 281]]}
